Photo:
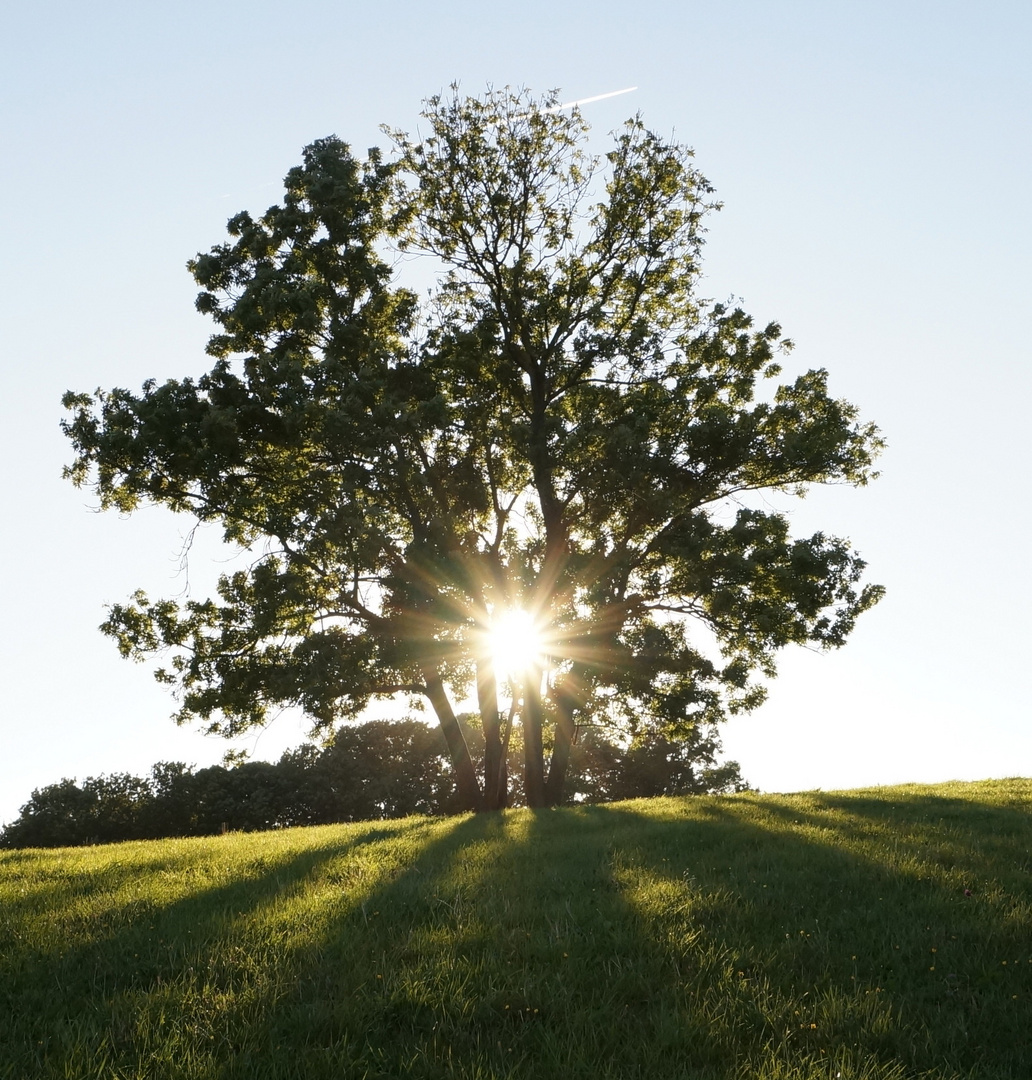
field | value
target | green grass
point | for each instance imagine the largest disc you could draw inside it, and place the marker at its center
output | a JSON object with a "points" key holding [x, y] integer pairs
{"points": [[776, 937]]}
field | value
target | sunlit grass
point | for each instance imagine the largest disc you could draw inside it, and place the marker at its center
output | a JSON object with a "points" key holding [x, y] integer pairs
{"points": [[880, 935]]}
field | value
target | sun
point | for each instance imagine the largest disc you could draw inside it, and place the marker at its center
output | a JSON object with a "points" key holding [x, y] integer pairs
{"points": [[515, 643]]}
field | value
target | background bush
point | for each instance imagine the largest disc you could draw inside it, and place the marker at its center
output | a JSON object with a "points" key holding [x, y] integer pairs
{"points": [[374, 770]]}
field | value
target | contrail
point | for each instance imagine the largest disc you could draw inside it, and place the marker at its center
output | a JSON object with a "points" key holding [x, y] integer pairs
{"points": [[588, 100]]}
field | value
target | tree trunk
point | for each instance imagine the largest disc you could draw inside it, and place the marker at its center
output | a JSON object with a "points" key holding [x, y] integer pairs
{"points": [[533, 751], [470, 797], [565, 729], [495, 776]]}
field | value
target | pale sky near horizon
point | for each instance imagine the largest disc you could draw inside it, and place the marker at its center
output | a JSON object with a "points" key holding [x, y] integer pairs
{"points": [[874, 163]]}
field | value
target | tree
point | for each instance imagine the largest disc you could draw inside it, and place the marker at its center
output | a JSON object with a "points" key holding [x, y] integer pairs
{"points": [[650, 765], [384, 769], [57, 815], [100, 810], [564, 429]]}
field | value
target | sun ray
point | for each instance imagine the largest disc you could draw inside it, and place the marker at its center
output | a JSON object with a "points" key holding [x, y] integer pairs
{"points": [[515, 643]]}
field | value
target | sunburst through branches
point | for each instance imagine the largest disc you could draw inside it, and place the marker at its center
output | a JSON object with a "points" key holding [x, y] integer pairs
{"points": [[516, 644]]}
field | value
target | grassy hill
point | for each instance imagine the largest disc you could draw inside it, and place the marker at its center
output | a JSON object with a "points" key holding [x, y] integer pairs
{"points": [[866, 934]]}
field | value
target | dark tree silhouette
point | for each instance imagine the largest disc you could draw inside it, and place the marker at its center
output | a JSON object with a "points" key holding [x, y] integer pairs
{"points": [[563, 435]]}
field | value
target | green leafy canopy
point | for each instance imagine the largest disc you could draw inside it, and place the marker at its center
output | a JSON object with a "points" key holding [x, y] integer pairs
{"points": [[564, 426]]}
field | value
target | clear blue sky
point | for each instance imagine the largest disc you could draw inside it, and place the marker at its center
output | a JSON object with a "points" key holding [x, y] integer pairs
{"points": [[874, 162]]}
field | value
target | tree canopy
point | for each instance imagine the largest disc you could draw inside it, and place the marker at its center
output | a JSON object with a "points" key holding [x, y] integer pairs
{"points": [[563, 428]]}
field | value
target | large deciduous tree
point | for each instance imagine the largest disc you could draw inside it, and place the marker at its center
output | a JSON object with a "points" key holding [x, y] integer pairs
{"points": [[563, 429]]}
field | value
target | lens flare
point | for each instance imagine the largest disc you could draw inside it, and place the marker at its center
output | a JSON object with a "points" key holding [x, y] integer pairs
{"points": [[515, 643]]}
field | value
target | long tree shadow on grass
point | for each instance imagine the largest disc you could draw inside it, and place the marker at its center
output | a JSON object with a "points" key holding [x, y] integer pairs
{"points": [[710, 939], [63, 992], [850, 928], [408, 983], [482, 956], [573, 944], [980, 840], [731, 938]]}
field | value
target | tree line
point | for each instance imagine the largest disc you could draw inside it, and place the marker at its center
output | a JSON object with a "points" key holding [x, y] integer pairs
{"points": [[373, 770]]}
